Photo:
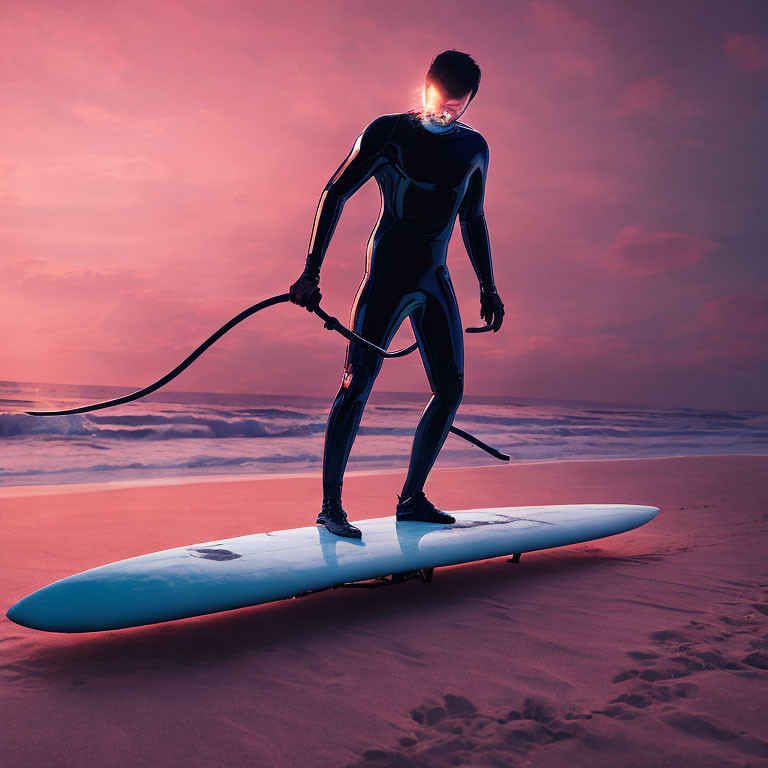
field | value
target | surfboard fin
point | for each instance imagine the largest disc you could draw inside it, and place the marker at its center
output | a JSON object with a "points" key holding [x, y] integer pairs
{"points": [[422, 574]]}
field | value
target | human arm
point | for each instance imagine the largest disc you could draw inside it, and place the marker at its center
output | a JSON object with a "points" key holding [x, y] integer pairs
{"points": [[366, 155], [474, 232]]}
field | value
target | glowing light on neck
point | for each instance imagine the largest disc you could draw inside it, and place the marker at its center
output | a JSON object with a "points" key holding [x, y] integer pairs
{"points": [[432, 101]]}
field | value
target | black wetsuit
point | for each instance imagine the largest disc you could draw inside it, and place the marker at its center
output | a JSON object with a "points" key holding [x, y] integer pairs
{"points": [[425, 180]]}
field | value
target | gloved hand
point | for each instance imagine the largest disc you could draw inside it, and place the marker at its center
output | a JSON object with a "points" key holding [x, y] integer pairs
{"points": [[305, 291], [491, 308]]}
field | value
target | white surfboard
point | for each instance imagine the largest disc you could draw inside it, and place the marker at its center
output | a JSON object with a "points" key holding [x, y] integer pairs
{"points": [[249, 570]]}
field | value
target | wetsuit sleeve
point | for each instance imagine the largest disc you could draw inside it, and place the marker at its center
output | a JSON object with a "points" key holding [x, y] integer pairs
{"points": [[474, 231], [366, 155]]}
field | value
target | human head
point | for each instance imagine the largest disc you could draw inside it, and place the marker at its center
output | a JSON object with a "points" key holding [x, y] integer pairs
{"points": [[452, 82]]}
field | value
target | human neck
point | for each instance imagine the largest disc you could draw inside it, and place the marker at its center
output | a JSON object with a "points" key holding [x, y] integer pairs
{"points": [[435, 127]]}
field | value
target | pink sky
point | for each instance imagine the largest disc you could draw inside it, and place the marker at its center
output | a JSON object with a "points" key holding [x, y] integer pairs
{"points": [[160, 165]]}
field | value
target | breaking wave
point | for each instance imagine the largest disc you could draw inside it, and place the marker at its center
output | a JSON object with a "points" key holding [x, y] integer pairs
{"points": [[197, 433]]}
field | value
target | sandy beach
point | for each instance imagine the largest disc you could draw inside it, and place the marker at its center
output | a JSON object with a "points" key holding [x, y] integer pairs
{"points": [[645, 649]]}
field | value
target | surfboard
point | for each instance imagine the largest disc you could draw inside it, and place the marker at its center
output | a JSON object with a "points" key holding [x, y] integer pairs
{"points": [[226, 574]]}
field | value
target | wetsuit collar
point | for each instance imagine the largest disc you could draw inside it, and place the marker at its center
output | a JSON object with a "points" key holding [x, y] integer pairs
{"points": [[435, 128]]}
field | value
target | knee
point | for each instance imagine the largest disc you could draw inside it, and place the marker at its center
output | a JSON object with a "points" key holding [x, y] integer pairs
{"points": [[451, 385], [357, 380]]}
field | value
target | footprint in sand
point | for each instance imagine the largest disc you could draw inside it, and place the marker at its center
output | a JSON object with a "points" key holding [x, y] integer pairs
{"points": [[707, 729], [658, 689], [452, 731], [685, 652]]}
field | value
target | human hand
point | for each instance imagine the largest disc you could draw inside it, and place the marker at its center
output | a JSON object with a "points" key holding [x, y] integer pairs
{"points": [[305, 292], [491, 308]]}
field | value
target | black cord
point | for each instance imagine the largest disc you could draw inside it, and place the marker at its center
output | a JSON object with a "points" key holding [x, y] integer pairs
{"points": [[330, 322]]}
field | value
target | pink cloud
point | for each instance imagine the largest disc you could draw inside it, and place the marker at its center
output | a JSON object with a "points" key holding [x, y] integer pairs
{"points": [[583, 348], [745, 313], [95, 114], [567, 45], [646, 95], [40, 40], [86, 283], [748, 53], [115, 167], [730, 329], [161, 164], [12, 199], [558, 21], [651, 253]]}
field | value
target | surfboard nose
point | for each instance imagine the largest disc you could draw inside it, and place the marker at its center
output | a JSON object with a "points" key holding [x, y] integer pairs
{"points": [[54, 608], [20, 613]]}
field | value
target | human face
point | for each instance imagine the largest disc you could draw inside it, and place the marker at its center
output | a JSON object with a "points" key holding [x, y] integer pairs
{"points": [[440, 109]]}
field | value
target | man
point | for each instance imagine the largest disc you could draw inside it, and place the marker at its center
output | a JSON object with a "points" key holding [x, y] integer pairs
{"points": [[429, 168]]}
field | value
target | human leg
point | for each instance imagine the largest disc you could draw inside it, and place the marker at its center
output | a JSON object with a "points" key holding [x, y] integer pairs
{"points": [[437, 326], [377, 314]]}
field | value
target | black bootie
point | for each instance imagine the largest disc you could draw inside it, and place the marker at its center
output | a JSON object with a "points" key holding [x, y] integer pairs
{"points": [[334, 518], [419, 509]]}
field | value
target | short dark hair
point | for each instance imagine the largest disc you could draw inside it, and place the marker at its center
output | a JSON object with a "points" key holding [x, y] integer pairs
{"points": [[456, 72]]}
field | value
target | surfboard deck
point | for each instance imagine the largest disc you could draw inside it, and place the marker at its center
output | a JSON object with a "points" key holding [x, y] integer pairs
{"points": [[225, 574]]}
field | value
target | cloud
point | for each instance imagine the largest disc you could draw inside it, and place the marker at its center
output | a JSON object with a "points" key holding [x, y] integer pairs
{"points": [[13, 200], [748, 53], [40, 277], [584, 347], [116, 167], [80, 282], [64, 44], [144, 125], [557, 21], [182, 148], [567, 45], [745, 313], [651, 253], [646, 95], [731, 329]]}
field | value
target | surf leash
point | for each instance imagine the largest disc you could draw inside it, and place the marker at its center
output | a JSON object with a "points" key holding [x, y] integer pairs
{"points": [[331, 323]]}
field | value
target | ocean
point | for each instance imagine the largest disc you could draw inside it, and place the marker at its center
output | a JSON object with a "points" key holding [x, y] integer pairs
{"points": [[185, 434]]}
